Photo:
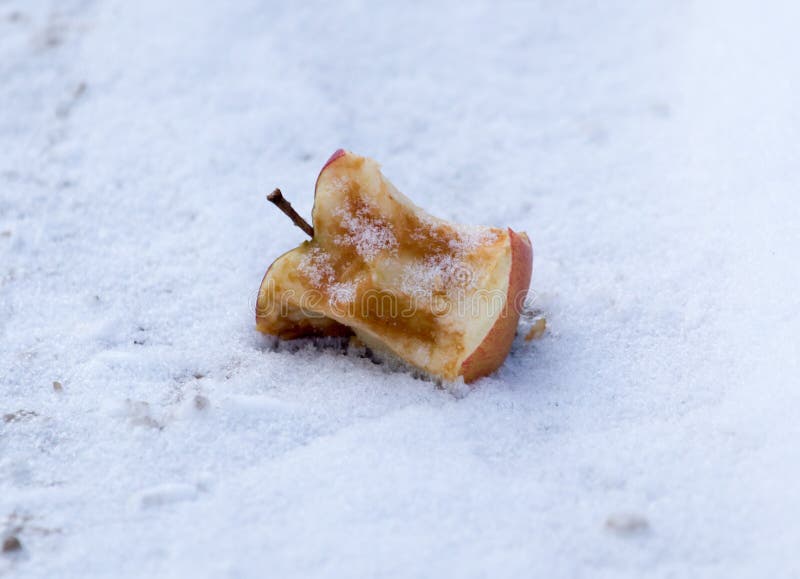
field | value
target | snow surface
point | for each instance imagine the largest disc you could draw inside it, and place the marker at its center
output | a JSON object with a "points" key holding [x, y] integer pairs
{"points": [[651, 151]]}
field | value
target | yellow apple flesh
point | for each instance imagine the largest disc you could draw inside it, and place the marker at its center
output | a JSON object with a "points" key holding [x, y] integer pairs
{"points": [[445, 298]]}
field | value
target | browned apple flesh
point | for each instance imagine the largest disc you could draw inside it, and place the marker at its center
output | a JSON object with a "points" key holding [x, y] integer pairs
{"points": [[427, 290]]}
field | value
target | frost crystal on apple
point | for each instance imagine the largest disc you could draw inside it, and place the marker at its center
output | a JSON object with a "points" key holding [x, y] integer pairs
{"points": [[446, 273], [368, 234], [436, 274], [470, 238], [340, 184], [317, 267], [343, 292]]}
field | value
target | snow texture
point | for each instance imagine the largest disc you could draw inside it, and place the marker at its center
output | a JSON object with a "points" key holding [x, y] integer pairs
{"points": [[651, 151]]}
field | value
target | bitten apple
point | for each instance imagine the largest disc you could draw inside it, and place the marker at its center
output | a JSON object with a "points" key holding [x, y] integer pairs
{"points": [[445, 298]]}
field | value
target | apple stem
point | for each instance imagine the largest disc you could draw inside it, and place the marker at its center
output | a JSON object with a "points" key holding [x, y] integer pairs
{"points": [[278, 199]]}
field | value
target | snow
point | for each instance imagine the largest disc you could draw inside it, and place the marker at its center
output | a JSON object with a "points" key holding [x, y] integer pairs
{"points": [[650, 151]]}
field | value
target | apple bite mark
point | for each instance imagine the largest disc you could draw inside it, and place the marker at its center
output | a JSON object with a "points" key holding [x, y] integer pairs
{"points": [[444, 298]]}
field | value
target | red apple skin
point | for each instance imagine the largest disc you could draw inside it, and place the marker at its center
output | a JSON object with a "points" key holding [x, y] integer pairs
{"points": [[336, 154], [494, 348]]}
